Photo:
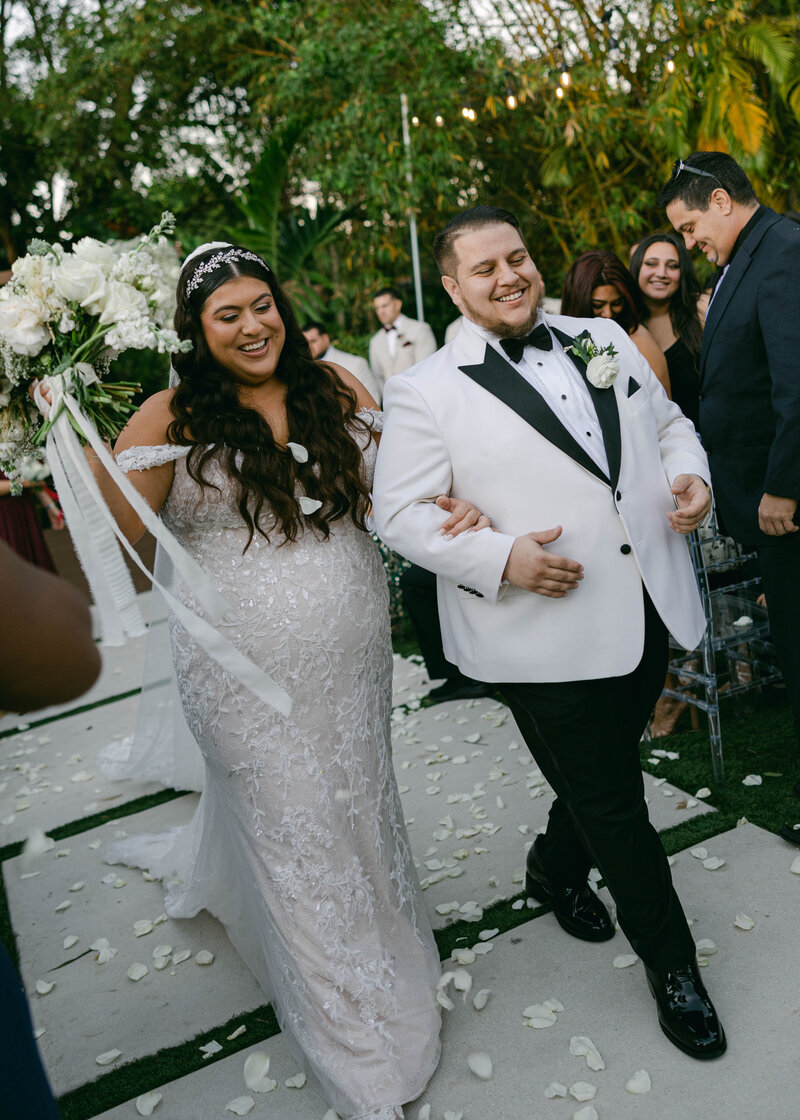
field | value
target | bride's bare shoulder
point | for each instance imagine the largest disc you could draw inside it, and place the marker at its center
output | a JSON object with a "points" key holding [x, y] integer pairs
{"points": [[148, 426]]}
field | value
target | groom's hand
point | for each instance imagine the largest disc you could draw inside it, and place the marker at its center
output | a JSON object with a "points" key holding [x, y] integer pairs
{"points": [[531, 566], [693, 501]]}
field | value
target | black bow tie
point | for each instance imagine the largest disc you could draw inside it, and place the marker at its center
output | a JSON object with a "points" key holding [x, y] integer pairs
{"points": [[391, 327], [539, 337]]}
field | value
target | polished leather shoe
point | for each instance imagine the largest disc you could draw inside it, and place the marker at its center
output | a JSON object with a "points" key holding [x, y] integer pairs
{"points": [[578, 910], [459, 688], [685, 1012]]}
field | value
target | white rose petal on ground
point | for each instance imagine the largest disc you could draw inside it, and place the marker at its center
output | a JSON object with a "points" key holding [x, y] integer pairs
{"points": [[463, 956], [639, 1083], [795, 868], [296, 1082], [743, 921], [555, 1089], [181, 956], [488, 934], [424, 1113], [77, 886], [240, 1106], [445, 908], [237, 1033], [583, 1091], [147, 1102], [518, 904], [462, 981], [110, 878], [582, 1047], [204, 957], [69, 941], [118, 883], [256, 1068], [108, 1057], [481, 998], [752, 780], [136, 971], [142, 927], [210, 1048], [554, 1004], [481, 1066], [37, 1034], [444, 1000], [705, 947], [699, 853], [587, 1113], [713, 863], [704, 792], [104, 951], [482, 948], [160, 963], [539, 1016], [62, 906], [453, 1116], [44, 987], [625, 960]]}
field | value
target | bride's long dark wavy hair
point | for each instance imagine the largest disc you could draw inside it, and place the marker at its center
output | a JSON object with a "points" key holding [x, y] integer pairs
{"points": [[319, 407]]}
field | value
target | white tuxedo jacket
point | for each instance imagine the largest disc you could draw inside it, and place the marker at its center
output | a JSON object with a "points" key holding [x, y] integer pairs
{"points": [[445, 432], [359, 367], [415, 341]]}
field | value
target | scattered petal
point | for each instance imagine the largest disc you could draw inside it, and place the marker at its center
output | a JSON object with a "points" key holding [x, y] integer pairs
{"points": [[299, 452], [162, 951], [237, 1033], [481, 1065], [473, 738], [481, 998], [65, 905], [743, 622], [307, 506], [240, 1106], [587, 1113], [705, 947], [94, 844], [181, 956], [108, 1057], [699, 853], [37, 1034], [424, 1113], [518, 904], [742, 921], [37, 843], [446, 907], [210, 1048], [69, 941], [482, 948], [462, 981], [640, 1082], [256, 1068], [795, 868], [137, 970], [453, 1116], [119, 883], [713, 863], [77, 886], [704, 792], [488, 934], [296, 1082], [205, 956], [583, 1091], [625, 960], [582, 1047], [147, 1102], [554, 1004], [555, 1089], [44, 987], [539, 1016], [142, 927], [160, 963], [752, 780], [467, 956]]}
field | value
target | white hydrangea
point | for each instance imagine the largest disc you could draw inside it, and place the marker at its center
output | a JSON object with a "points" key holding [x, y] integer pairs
{"points": [[22, 325]]}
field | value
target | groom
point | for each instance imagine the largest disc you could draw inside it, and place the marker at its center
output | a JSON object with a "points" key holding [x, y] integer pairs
{"points": [[566, 605]]}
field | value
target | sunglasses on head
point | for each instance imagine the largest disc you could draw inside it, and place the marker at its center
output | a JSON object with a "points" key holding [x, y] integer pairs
{"points": [[679, 166]]}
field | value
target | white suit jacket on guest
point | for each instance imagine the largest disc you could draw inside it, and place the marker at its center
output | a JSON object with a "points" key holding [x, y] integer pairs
{"points": [[415, 341], [445, 432], [359, 367]]}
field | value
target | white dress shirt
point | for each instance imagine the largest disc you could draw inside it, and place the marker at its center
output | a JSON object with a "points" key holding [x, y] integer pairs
{"points": [[553, 374]]}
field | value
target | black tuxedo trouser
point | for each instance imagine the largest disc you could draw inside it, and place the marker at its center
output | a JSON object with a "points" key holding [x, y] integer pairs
{"points": [[780, 576], [584, 736], [25, 1094], [418, 588]]}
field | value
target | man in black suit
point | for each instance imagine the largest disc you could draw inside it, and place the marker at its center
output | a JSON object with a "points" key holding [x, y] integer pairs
{"points": [[750, 377]]}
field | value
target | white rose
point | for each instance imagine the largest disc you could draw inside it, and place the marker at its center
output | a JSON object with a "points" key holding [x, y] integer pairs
{"points": [[80, 281], [22, 326], [121, 302], [602, 371], [95, 252]]}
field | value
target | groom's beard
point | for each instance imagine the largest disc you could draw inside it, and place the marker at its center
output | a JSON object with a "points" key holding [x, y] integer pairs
{"points": [[499, 326]]}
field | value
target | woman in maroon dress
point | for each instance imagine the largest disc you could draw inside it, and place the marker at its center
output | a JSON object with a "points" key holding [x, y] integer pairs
{"points": [[19, 521]]}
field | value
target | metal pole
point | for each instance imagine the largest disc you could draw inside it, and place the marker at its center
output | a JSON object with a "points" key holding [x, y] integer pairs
{"points": [[412, 221]]}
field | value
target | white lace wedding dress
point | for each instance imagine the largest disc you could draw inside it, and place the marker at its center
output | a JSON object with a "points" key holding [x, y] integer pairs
{"points": [[298, 844]]}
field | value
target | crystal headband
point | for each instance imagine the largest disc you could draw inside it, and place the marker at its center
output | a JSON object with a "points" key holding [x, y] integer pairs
{"points": [[213, 263]]}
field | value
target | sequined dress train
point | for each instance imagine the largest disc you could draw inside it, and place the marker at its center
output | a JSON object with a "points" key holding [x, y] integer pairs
{"points": [[298, 844]]}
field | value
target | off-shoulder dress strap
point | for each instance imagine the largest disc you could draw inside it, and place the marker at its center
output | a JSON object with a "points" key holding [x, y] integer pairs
{"points": [[144, 458], [373, 416]]}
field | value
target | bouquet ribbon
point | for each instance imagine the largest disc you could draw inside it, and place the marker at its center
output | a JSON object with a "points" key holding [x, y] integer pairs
{"points": [[95, 534]]}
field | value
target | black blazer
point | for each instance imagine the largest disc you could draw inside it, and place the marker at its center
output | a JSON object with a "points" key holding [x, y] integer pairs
{"points": [[750, 377]]}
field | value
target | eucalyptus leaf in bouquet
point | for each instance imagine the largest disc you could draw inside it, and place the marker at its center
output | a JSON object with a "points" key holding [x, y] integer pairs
{"points": [[65, 315]]}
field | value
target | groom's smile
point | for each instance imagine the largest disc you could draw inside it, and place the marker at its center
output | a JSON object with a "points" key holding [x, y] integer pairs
{"points": [[495, 282]]}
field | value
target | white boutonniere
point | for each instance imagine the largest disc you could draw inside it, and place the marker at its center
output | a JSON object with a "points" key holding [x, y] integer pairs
{"points": [[601, 362]]}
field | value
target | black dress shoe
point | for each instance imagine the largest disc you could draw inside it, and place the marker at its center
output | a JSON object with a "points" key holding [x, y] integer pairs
{"points": [[685, 1013], [459, 688], [578, 910], [788, 832]]}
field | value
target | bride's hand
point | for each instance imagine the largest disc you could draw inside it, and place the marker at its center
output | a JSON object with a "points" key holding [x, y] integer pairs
{"points": [[464, 517]]}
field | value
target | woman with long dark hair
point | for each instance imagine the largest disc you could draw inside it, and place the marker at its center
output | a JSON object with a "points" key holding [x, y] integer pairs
{"points": [[599, 284], [260, 462], [675, 310]]}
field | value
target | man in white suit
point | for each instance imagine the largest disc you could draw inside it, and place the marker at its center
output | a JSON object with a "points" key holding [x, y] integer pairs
{"points": [[319, 343], [401, 342], [573, 633]]}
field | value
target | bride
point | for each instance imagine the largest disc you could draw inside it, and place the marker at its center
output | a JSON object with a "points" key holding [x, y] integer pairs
{"points": [[260, 462]]}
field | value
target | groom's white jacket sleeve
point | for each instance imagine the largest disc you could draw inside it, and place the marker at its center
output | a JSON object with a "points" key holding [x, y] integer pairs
{"points": [[413, 469]]}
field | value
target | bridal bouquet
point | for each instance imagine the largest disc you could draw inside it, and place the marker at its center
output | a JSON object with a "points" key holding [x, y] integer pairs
{"points": [[65, 315]]}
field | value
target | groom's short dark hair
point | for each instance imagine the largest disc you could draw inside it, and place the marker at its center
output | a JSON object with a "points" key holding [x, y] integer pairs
{"points": [[474, 218]]}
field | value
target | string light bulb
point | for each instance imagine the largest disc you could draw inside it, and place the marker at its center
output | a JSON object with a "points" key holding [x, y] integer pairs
{"points": [[559, 92], [566, 77], [439, 119], [511, 100], [415, 121], [671, 64], [468, 113]]}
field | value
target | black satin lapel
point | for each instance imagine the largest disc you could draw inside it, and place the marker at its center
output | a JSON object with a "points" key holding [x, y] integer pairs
{"points": [[605, 405], [497, 377]]}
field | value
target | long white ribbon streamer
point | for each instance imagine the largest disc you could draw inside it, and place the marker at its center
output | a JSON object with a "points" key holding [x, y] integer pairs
{"points": [[94, 529]]}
